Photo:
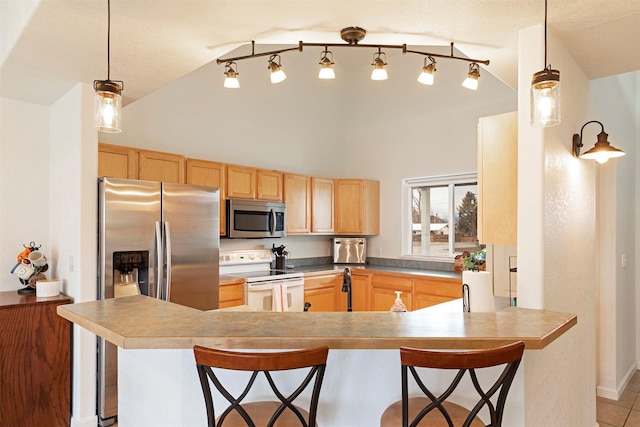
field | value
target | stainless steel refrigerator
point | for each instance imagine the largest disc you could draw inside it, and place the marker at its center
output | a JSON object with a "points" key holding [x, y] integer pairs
{"points": [[156, 239]]}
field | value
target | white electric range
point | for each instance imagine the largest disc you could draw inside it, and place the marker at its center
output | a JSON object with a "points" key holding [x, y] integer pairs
{"points": [[264, 288]]}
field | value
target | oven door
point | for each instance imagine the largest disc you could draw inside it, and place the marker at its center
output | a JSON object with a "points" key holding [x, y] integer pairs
{"points": [[255, 219], [260, 294]]}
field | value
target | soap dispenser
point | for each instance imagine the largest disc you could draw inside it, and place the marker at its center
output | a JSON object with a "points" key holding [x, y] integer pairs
{"points": [[398, 306]]}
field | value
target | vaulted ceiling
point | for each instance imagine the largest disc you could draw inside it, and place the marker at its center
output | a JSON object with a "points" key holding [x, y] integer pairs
{"points": [[153, 42]]}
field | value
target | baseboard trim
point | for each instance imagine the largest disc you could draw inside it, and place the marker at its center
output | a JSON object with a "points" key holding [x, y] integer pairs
{"points": [[608, 393]]}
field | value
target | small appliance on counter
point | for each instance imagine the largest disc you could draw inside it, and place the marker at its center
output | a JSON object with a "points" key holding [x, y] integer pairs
{"points": [[349, 250]]}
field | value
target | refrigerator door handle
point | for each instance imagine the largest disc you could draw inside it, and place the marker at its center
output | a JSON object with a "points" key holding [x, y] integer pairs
{"points": [[167, 236], [155, 292]]}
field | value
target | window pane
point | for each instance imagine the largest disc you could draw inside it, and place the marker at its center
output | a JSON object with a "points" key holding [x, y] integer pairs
{"points": [[466, 201], [430, 221]]}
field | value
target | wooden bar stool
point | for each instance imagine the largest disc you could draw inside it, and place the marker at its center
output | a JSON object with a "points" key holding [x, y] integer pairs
{"points": [[281, 413], [435, 411]]}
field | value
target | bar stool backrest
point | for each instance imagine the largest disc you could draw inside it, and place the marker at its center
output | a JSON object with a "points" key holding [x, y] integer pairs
{"points": [[464, 361], [314, 359]]}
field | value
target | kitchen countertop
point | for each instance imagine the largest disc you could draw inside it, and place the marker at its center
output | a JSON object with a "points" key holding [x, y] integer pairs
{"points": [[140, 322]]}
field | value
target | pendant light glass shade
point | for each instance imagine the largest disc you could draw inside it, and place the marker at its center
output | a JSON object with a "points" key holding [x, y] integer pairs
{"points": [[379, 72], [231, 80], [326, 66], [471, 82], [108, 106], [428, 70], [277, 75], [545, 98]]}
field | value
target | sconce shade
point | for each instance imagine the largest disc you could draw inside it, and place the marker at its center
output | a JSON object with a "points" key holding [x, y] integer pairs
{"points": [[108, 106], [545, 98], [602, 150], [326, 66], [471, 82], [379, 72]]}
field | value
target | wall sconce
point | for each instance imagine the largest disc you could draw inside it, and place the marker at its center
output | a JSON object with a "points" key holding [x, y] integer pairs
{"points": [[379, 73], [471, 82], [231, 71], [545, 90], [326, 65], [108, 105], [277, 75], [602, 150], [428, 70]]}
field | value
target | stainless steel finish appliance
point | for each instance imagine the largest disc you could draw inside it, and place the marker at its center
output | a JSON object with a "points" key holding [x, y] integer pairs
{"points": [[349, 250], [156, 239], [255, 219], [260, 282]]}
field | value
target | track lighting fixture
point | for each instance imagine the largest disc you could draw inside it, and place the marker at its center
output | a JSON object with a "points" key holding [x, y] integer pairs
{"points": [[545, 91], [379, 73], [427, 74], [353, 35], [471, 82], [326, 65], [231, 71], [108, 105], [601, 152], [277, 74]]}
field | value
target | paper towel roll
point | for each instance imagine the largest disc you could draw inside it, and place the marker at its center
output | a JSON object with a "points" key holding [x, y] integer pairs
{"points": [[47, 288], [480, 291]]}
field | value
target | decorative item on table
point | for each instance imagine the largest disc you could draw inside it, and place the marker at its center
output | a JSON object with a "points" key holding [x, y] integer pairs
{"points": [[281, 256], [477, 284], [31, 266]]}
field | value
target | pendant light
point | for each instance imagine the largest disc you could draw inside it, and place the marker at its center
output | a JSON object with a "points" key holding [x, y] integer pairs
{"points": [[277, 74], [545, 91], [231, 73], [379, 73], [471, 82], [326, 65], [108, 105], [428, 70]]}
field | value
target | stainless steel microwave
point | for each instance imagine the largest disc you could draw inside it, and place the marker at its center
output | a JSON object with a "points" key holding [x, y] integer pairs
{"points": [[255, 219]]}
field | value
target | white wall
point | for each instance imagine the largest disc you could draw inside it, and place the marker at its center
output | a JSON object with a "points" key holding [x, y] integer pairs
{"points": [[556, 242], [73, 224], [613, 103], [24, 186]]}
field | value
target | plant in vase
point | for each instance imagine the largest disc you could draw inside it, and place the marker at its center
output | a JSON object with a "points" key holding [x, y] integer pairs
{"points": [[476, 261]]}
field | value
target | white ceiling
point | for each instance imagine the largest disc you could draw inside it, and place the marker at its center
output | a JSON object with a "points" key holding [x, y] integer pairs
{"points": [[154, 42]]}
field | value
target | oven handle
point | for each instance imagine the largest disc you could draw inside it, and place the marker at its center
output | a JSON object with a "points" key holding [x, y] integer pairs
{"points": [[268, 286]]}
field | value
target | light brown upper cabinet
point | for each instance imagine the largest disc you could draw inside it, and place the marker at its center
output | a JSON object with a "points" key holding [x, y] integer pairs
{"points": [[322, 205], [498, 179], [241, 182], [269, 185], [117, 161], [297, 196], [357, 207], [126, 162], [157, 166], [202, 172]]}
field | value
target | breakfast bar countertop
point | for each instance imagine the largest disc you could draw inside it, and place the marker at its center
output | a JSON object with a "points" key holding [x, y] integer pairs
{"points": [[141, 322]]}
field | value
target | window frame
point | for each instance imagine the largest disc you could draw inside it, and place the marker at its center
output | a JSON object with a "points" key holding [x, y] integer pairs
{"points": [[408, 184]]}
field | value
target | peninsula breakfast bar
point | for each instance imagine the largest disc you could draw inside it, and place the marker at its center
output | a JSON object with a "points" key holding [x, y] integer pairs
{"points": [[158, 384]]}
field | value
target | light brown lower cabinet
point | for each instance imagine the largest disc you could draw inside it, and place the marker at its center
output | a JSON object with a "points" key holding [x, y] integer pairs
{"points": [[35, 361], [322, 292], [360, 287], [383, 291], [231, 293], [435, 290]]}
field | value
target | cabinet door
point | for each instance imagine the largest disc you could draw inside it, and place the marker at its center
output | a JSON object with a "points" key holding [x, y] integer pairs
{"points": [[269, 185], [241, 182], [498, 179], [117, 162], [357, 207], [201, 172], [383, 291], [297, 196], [320, 292], [360, 284], [435, 290], [231, 294], [165, 167], [322, 205]]}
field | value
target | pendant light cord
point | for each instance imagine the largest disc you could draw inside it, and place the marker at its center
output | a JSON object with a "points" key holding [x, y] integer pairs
{"points": [[109, 40], [545, 34]]}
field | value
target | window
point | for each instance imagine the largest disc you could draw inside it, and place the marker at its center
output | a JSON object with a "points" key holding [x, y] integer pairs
{"points": [[441, 215]]}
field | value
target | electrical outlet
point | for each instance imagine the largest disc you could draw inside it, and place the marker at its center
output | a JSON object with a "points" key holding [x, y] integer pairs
{"points": [[623, 261]]}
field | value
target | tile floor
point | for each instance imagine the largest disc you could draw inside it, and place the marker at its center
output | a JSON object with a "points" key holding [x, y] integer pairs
{"points": [[624, 412]]}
